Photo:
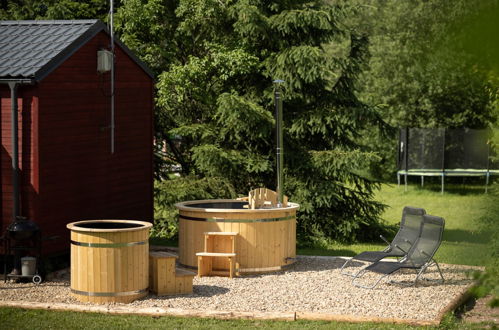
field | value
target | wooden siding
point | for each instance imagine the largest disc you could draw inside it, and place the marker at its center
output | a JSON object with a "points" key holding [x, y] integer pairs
{"points": [[73, 175]]}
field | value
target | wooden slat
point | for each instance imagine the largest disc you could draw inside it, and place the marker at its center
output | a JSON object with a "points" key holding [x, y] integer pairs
{"points": [[169, 271], [215, 254], [220, 233], [179, 272]]}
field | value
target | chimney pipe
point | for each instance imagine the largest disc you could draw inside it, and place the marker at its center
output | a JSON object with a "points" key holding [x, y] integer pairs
{"points": [[279, 140]]}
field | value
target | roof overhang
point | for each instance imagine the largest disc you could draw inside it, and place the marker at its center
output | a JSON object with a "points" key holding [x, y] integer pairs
{"points": [[96, 27], [22, 81]]}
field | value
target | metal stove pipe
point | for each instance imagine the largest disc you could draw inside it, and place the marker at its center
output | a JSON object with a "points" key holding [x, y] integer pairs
{"points": [[279, 140]]}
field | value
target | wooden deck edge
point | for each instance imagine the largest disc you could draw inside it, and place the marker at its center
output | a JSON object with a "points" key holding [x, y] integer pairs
{"points": [[151, 311], [224, 315]]}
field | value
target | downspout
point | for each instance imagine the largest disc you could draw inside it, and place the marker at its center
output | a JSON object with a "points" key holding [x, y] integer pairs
{"points": [[111, 27], [13, 85], [15, 149], [16, 195]]}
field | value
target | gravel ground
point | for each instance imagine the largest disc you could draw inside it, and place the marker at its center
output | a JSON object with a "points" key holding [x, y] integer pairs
{"points": [[312, 284]]}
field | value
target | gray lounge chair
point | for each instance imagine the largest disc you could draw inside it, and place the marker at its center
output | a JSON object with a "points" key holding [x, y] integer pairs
{"points": [[419, 257], [409, 231]]}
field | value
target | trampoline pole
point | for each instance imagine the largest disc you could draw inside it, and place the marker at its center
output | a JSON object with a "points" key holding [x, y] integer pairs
{"points": [[443, 176], [488, 168], [422, 181], [443, 161], [406, 157]]}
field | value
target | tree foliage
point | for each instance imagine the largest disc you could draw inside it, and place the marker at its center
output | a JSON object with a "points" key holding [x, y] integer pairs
{"points": [[478, 35], [216, 62], [53, 9], [420, 74], [169, 192]]}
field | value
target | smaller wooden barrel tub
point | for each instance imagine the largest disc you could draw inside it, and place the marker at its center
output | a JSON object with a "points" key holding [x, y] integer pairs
{"points": [[265, 240], [109, 260]]}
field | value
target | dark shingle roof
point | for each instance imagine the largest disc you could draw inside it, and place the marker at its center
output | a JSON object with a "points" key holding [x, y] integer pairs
{"points": [[32, 49]]}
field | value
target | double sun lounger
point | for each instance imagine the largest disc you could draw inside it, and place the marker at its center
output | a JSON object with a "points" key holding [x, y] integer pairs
{"points": [[415, 244]]}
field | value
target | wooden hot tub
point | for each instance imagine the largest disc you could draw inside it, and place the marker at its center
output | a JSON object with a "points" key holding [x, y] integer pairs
{"points": [[109, 260], [266, 239]]}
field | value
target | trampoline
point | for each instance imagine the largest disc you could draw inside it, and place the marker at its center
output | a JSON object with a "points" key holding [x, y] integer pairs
{"points": [[444, 152]]}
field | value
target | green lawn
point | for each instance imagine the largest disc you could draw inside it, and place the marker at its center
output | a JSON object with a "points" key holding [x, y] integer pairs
{"points": [[470, 217], [17, 319]]}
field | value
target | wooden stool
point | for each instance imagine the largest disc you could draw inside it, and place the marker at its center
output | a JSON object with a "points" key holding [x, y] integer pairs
{"points": [[165, 278], [219, 256]]}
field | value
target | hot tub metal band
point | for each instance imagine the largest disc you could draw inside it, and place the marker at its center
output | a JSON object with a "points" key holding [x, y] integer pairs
{"points": [[108, 245], [109, 294], [237, 220]]}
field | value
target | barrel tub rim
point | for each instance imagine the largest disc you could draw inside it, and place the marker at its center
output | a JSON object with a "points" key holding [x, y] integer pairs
{"points": [[184, 206], [73, 226]]}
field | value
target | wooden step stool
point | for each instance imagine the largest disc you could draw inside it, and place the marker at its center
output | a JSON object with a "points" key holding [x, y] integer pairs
{"points": [[165, 278], [219, 255]]}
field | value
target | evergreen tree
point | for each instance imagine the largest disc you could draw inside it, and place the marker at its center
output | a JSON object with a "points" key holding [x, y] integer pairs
{"points": [[217, 60]]}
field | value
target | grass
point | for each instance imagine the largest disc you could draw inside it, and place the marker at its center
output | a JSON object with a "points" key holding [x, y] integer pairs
{"points": [[19, 319], [15, 318], [470, 217]]}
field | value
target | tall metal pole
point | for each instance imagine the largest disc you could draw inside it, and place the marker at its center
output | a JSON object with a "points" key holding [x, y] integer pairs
{"points": [[279, 140], [111, 28]]}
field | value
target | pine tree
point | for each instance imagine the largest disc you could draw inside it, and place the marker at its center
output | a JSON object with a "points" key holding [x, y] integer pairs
{"points": [[215, 92]]}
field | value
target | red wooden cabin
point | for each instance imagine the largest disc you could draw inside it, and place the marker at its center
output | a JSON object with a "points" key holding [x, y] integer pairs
{"points": [[68, 170]]}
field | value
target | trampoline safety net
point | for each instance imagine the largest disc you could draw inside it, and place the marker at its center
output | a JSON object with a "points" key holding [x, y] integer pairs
{"points": [[446, 152]]}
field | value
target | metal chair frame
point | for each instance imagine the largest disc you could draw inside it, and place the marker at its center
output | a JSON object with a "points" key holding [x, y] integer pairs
{"points": [[405, 263]]}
